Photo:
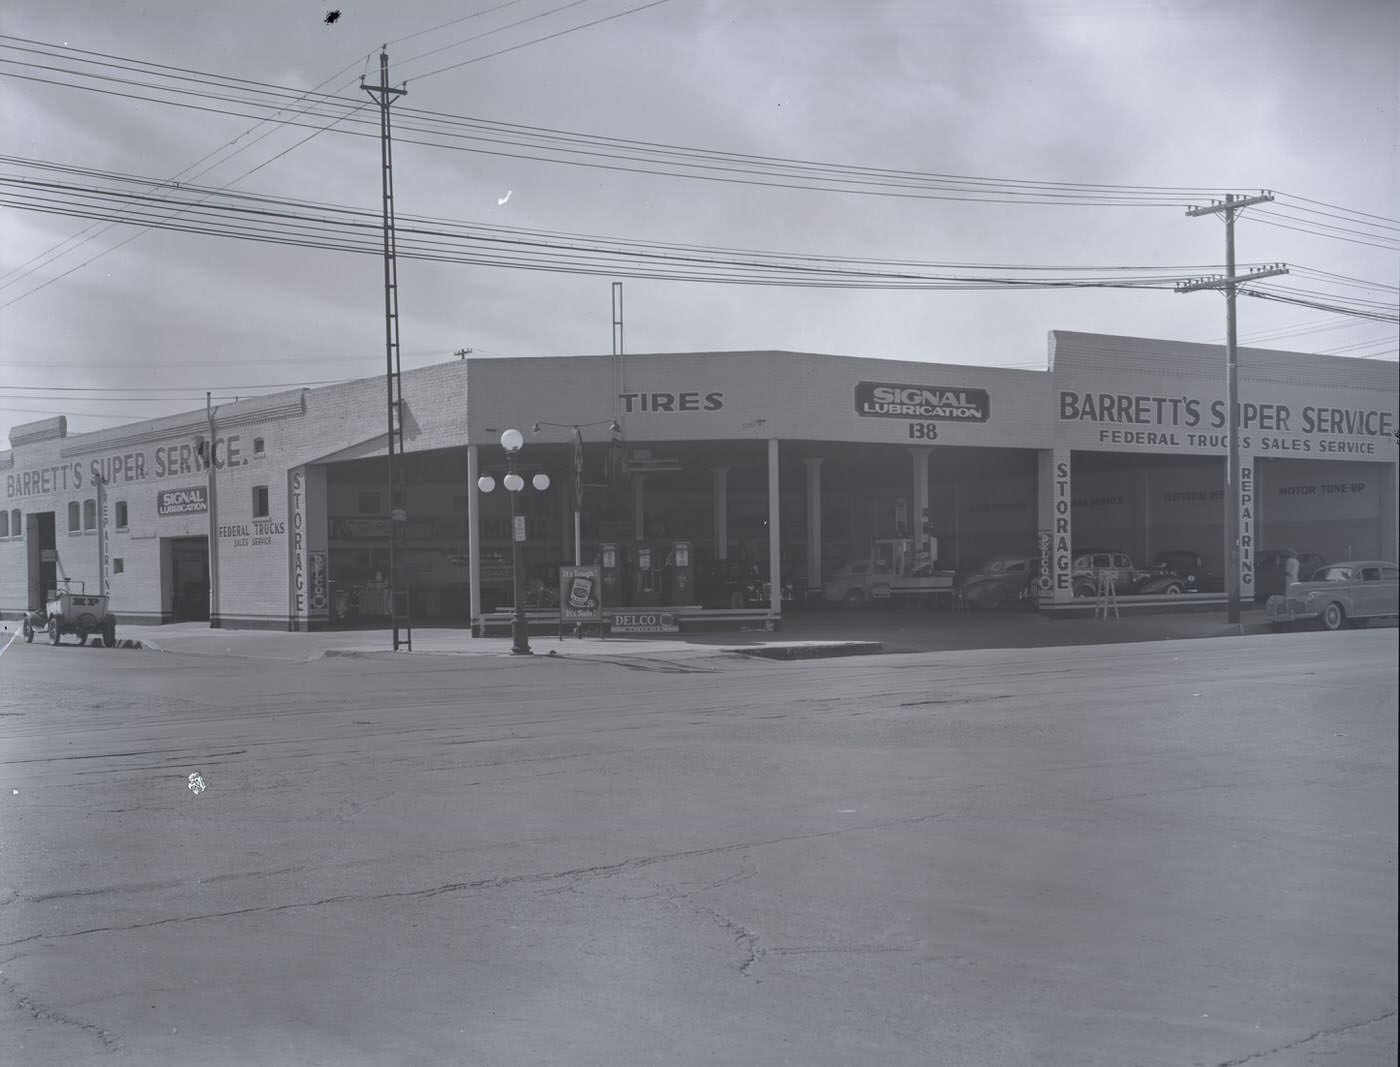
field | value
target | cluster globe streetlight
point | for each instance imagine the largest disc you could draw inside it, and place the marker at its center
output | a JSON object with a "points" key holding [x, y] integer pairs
{"points": [[512, 441]]}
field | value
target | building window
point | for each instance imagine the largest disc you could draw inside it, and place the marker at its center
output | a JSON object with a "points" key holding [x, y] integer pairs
{"points": [[118, 565], [369, 504], [89, 514], [259, 448], [16, 527], [75, 517], [121, 514], [4, 524], [259, 501]]}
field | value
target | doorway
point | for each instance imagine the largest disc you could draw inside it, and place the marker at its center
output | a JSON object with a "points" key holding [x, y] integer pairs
{"points": [[43, 556], [189, 578]]}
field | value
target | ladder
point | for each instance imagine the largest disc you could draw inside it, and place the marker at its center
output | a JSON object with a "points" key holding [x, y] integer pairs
{"points": [[1106, 597]]}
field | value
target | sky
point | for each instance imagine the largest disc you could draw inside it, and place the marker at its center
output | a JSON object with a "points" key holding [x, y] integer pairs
{"points": [[108, 324]]}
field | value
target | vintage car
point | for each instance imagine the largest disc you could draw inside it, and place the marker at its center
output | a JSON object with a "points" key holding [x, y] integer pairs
{"points": [[1340, 593], [1092, 566], [1000, 581], [847, 585], [1268, 570], [731, 583], [1178, 571]]}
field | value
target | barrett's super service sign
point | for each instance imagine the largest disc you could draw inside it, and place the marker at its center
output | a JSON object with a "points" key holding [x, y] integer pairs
{"points": [[891, 400]]}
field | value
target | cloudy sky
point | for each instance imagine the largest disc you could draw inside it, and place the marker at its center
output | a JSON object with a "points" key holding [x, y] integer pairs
{"points": [[1081, 131]]}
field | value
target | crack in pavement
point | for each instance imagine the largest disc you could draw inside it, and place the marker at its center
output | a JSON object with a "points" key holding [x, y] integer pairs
{"points": [[43, 1013], [1332, 1032], [601, 870]]}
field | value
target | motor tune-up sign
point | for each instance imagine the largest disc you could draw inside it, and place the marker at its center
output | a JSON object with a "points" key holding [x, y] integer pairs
{"points": [[580, 593]]}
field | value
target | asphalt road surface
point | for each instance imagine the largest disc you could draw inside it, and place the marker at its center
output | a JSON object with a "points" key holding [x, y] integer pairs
{"points": [[1176, 853]]}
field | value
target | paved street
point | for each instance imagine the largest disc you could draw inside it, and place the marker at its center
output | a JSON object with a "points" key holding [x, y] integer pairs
{"points": [[1164, 853]]}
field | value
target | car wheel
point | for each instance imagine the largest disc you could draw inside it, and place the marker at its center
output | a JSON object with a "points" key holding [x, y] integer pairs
{"points": [[53, 631], [109, 633], [1084, 589], [1173, 590], [1333, 616], [854, 599], [28, 628], [736, 600]]}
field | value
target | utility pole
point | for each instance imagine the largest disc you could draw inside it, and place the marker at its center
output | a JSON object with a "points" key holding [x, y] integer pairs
{"points": [[1230, 206], [214, 609], [384, 96]]}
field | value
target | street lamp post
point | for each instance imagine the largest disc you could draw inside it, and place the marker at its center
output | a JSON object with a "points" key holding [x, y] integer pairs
{"points": [[511, 441]]}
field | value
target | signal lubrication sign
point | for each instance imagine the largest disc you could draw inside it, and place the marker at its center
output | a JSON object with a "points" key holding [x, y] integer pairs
{"points": [[580, 593]]}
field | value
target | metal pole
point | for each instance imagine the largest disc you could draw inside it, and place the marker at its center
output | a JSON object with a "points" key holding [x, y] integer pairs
{"points": [[520, 636], [214, 621]]}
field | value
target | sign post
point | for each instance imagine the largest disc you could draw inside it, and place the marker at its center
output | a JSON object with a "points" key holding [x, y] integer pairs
{"points": [[580, 596]]}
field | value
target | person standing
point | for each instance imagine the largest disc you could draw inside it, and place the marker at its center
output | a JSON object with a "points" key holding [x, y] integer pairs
{"points": [[1290, 569]]}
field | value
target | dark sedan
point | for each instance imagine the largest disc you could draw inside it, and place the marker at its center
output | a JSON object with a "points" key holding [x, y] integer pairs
{"points": [[1000, 582], [1179, 571], [731, 584]]}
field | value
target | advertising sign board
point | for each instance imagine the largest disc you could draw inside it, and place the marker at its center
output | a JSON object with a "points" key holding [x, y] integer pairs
{"points": [[580, 593], [195, 498], [645, 622]]}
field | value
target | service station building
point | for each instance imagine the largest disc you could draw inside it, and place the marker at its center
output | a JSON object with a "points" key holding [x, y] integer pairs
{"points": [[276, 512]]}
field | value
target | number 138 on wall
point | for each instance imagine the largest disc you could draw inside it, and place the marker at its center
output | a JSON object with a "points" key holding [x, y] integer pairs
{"points": [[923, 431]]}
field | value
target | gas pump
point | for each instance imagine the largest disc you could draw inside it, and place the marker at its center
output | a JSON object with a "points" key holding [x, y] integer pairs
{"points": [[610, 571], [682, 574], [647, 575]]}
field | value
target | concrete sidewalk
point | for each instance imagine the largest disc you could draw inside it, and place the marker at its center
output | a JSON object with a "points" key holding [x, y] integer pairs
{"points": [[806, 634]]}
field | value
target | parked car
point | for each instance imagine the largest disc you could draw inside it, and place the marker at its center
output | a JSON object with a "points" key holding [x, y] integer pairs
{"points": [[1340, 593], [727, 583], [1268, 570], [1178, 571], [1000, 581], [1092, 565], [847, 585], [542, 585]]}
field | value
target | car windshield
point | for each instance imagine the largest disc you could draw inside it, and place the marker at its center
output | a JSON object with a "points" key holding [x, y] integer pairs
{"points": [[1333, 574]]}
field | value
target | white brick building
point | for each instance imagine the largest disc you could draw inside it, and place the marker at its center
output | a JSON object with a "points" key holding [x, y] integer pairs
{"points": [[792, 460]]}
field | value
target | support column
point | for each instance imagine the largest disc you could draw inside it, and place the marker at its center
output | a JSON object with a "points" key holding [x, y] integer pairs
{"points": [[720, 505], [814, 522], [921, 506], [474, 539], [1142, 517], [1389, 476], [1054, 502], [639, 518], [775, 553]]}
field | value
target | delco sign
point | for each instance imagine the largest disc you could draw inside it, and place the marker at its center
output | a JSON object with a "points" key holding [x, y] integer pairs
{"points": [[890, 400]]}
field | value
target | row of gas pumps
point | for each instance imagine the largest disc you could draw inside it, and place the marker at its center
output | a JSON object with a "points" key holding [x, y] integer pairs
{"points": [[647, 573]]}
